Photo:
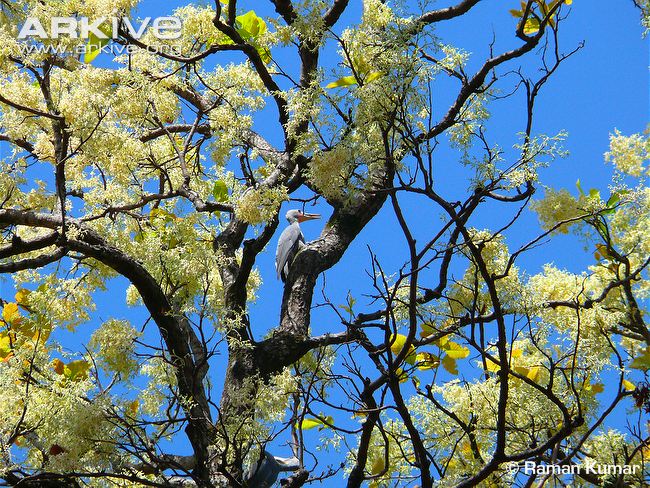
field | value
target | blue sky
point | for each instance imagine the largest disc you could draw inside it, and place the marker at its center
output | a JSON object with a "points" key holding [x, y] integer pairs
{"points": [[602, 87]]}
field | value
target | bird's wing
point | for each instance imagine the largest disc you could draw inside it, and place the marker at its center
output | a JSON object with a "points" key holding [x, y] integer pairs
{"points": [[263, 473], [288, 244]]}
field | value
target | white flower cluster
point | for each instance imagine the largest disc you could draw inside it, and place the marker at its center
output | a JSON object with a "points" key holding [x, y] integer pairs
{"points": [[629, 154], [330, 170], [555, 207], [114, 342], [261, 204]]}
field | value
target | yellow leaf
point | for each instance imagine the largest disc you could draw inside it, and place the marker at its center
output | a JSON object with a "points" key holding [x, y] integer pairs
{"points": [[521, 370], [450, 365], [10, 312], [342, 82], [466, 447], [426, 360], [378, 465], [310, 423], [597, 388], [402, 375], [517, 353], [22, 296], [531, 26], [427, 329], [58, 366], [76, 370], [533, 374], [6, 350], [628, 385], [442, 342], [250, 25], [373, 76], [455, 350], [492, 366], [96, 44], [133, 407], [397, 343]]}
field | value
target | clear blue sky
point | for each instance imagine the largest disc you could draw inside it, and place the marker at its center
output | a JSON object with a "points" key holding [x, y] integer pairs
{"points": [[602, 87]]}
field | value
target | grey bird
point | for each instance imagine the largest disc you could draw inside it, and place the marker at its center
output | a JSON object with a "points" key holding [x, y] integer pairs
{"points": [[264, 472], [291, 241]]}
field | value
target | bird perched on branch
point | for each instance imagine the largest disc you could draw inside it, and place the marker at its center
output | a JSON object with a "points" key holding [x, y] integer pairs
{"points": [[291, 241], [265, 471]]}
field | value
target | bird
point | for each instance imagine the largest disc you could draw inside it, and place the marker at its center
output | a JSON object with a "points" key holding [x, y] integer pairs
{"points": [[291, 241], [264, 472]]}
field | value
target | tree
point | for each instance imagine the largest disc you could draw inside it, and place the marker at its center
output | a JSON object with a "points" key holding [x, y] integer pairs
{"points": [[168, 169]]}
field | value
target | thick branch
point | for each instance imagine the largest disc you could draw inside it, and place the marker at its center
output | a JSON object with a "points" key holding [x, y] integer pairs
{"points": [[19, 246], [447, 12]]}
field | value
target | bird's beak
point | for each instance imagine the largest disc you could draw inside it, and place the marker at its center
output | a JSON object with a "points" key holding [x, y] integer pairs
{"points": [[308, 216]]}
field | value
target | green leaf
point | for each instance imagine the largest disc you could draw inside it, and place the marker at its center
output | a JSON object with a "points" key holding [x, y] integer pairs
{"points": [[220, 191], [579, 187], [343, 82], [249, 25], [265, 54], [613, 200], [95, 44], [350, 303], [159, 217], [602, 229]]}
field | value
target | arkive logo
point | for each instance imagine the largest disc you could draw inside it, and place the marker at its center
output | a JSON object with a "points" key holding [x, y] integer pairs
{"points": [[164, 28]]}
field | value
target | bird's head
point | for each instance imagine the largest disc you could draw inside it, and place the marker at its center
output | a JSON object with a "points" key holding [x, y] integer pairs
{"points": [[300, 216]]}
